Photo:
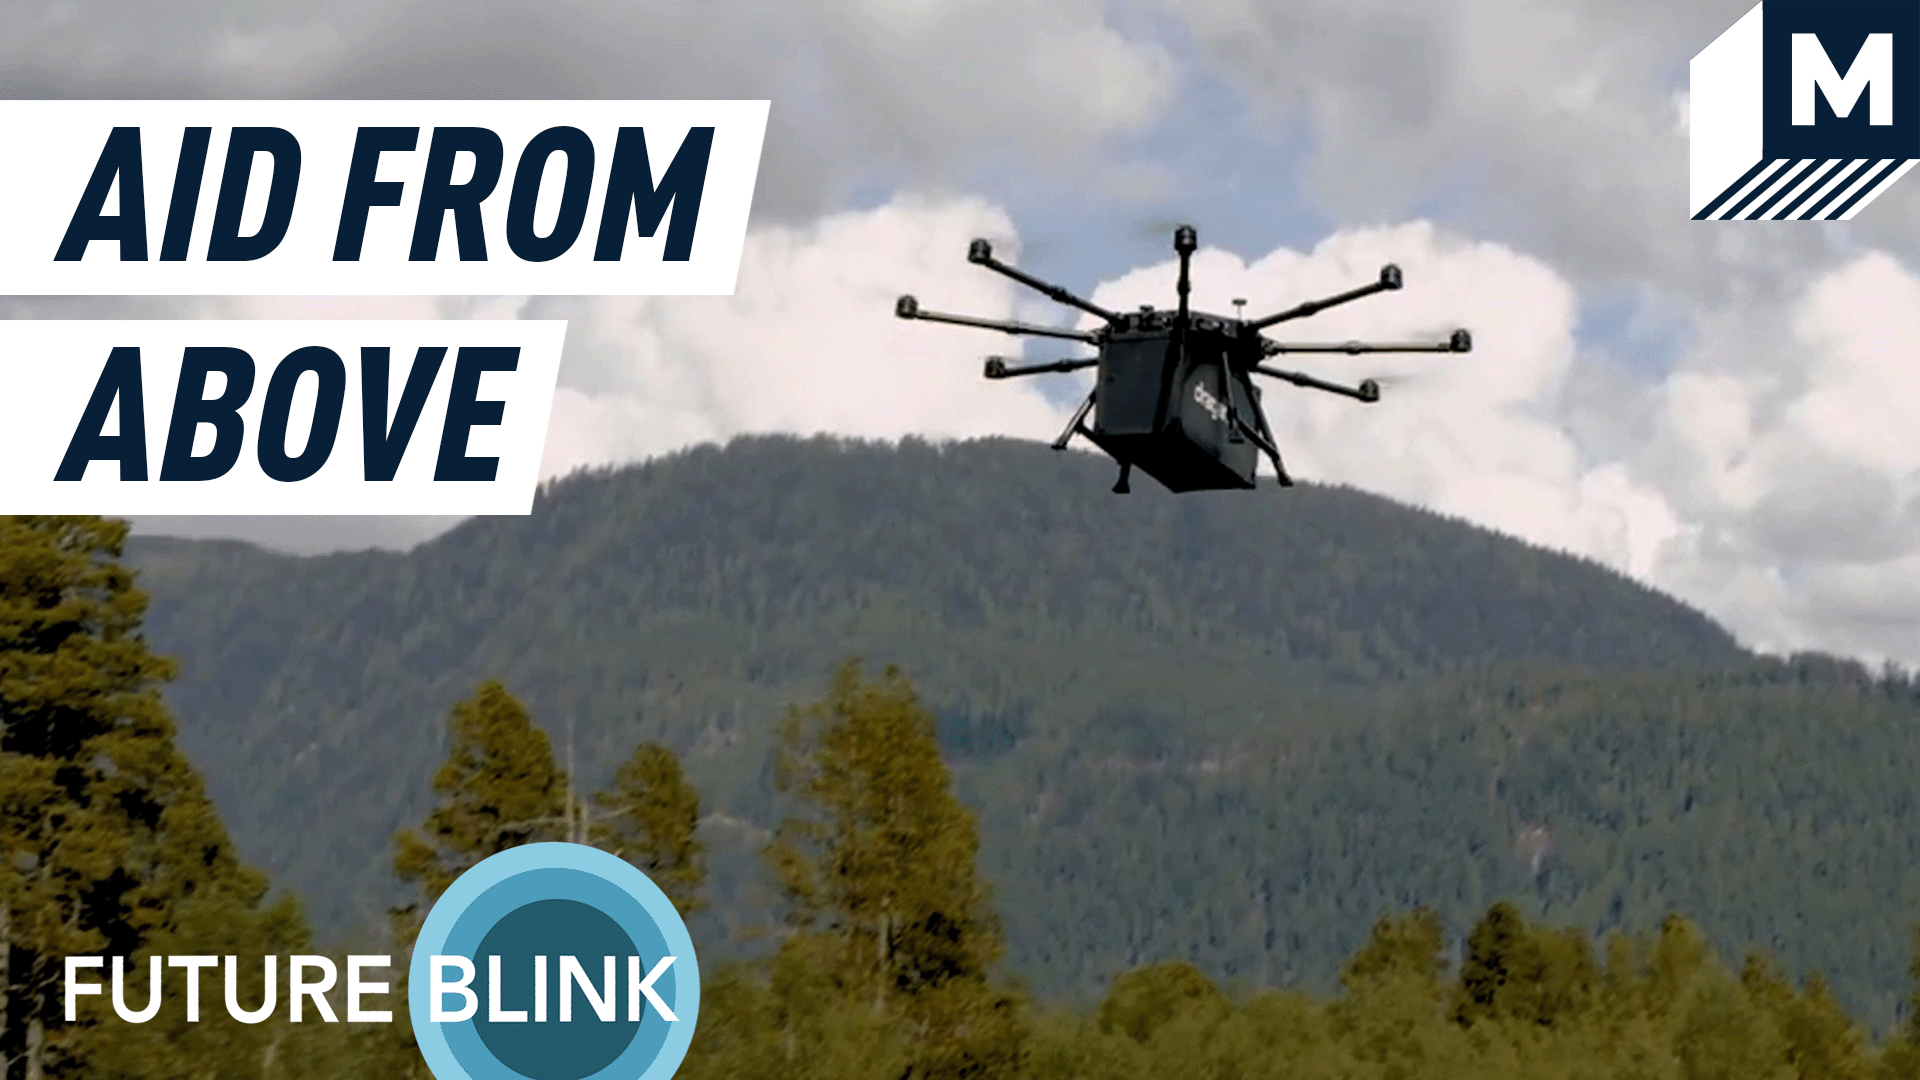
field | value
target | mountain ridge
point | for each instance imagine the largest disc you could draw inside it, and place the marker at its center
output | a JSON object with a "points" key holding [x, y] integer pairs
{"points": [[1308, 636]]}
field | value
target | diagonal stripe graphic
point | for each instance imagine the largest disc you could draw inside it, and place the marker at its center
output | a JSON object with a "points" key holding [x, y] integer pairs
{"points": [[1709, 210], [1894, 170], [1766, 181], [1790, 178], [1821, 185], [1865, 183], [1790, 196], [1804, 189], [1840, 186]]}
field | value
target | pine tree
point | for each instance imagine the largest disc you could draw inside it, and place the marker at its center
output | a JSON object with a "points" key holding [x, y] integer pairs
{"points": [[1408, 947], [880, 869], [1679, 961], [172, 1046], [650, 818], [1503, 971], [1823, 1043], [1724, 1034], [1900, 1059], [498, 789], [1570, 978], [111, 846]]}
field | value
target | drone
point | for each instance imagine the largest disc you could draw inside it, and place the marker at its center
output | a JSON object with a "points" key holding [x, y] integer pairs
{"points": [[1174, 394]]}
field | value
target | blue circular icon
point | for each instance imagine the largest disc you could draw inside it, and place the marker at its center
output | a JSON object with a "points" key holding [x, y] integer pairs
{"points": [[553, 962]]}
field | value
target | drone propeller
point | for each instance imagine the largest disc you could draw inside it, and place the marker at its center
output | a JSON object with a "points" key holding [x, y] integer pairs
{"points": [[1158, 227], [1026, 248]]}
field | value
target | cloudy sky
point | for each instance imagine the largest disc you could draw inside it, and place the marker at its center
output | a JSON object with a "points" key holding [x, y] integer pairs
{"points": [[1719, 409]]}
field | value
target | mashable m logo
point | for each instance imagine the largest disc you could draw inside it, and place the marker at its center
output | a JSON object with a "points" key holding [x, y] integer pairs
{"points": [[1804, 110], [1872, 71]]}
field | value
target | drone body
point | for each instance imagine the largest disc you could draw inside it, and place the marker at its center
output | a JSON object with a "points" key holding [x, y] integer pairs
{"points": [[1163, 410], [1174, 394]]}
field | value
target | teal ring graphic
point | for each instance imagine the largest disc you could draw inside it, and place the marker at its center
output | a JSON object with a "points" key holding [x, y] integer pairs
{"points": [[509, 880]]}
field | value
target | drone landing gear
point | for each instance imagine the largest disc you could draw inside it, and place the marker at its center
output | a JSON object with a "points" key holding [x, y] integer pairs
{"points": [[1075, 426], [1263, 441], [1234, 423], [1078, 426]]}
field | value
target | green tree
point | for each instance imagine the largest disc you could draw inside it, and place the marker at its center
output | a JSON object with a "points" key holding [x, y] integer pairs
{"points": [[1144, 1000], [1680, 961], [1408, 947], [173, 1046], [111, 846], [1900, 1059], [879, 868], [1821, 1042], [650, 817], [1723, 1034], [1504, 969], [498, 789]]}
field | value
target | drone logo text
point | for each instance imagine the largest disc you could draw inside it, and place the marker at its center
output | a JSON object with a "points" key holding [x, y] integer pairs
{"points": [[1210, 403], [1804, 110]]}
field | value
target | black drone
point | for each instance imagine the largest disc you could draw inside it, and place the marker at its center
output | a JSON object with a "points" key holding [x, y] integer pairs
{"points": [[1175, 393]]}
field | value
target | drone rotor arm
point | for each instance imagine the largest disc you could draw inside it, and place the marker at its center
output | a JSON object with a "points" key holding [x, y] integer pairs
{"points": [[1002, 367], [1390, 279], [980, 253], [1459, 342], [1368, 390], [908, 308]]}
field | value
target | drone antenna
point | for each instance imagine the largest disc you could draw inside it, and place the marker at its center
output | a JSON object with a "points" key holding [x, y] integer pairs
{"points": [[1185, 240]]}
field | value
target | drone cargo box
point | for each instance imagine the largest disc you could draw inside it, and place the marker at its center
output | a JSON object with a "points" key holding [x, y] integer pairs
{"points": [[1188, 446]]}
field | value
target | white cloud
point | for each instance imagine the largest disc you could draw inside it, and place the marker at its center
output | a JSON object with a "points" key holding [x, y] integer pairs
{"points": [[935, 76], [1555, 122], [1795, 448], [809, 343], [918, 88]]}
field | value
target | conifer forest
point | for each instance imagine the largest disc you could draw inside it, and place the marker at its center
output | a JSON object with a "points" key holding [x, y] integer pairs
{"points": [[961, 768]]}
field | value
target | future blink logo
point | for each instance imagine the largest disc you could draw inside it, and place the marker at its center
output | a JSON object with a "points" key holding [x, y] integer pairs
{"points": [[1805, 110], [554, 962]]}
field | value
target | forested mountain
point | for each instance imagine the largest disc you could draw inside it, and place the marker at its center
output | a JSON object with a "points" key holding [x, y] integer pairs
{"points": [[1235, 727]]}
